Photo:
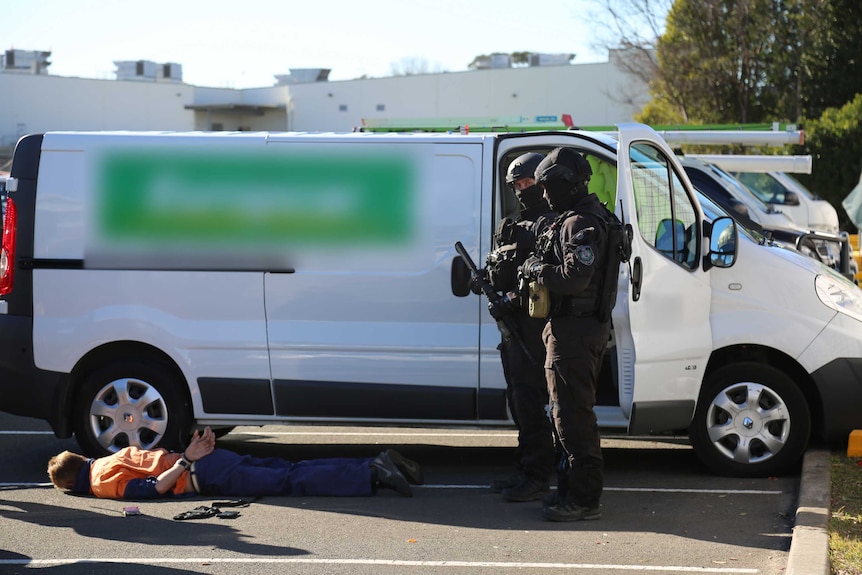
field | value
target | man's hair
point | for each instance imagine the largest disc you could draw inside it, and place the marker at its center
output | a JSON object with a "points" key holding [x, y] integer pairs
{"points": [[63, 469]]}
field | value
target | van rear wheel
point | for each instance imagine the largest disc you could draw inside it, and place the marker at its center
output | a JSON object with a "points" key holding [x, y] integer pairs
{"points": [[131, 403], [751, 421]]}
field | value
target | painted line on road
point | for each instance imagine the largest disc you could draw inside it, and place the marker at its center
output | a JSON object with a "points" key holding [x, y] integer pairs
{"points": [[457, 486], [382, 562], [633, 489]]}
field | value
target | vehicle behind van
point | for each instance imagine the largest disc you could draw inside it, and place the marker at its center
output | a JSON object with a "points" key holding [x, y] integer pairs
{"points": [[752, 212], [154, 282], [786, 192]]}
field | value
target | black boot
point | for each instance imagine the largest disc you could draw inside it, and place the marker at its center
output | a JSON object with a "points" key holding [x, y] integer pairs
{"points": [[385, 473], [529, 489], [498, 485], [408, 468]]}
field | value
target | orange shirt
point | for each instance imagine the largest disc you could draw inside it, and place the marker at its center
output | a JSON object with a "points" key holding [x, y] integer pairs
{"points": [[110, 475]]}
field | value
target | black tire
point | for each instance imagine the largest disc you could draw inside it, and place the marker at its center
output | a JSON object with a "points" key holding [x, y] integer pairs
{"points": [[131, 403], [222, 431], [751, 421]]}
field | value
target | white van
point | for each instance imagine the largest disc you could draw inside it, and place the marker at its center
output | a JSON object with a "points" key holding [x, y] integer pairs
{"points": [[783, 190], [749, 209], [150, 282]]}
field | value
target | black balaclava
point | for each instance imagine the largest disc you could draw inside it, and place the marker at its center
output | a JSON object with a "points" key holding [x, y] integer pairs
{"points": [[529, 197]]}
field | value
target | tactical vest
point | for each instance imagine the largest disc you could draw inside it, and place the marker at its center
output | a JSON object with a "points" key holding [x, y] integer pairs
{"points": [[513, 244], [599, 297]]}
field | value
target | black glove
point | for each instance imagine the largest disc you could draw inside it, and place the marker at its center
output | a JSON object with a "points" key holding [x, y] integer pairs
{"points": [[532, 268]]}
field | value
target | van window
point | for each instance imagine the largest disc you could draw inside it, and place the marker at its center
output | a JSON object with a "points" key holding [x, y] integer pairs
{"points": [[666, 218]]}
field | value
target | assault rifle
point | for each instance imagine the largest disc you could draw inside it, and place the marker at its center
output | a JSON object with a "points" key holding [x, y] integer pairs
{"points": [[498, 305]]}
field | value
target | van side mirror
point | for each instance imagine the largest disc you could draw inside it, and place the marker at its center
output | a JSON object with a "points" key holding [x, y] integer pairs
{"points": [[460, 277], [791, 198], [722, 244]]}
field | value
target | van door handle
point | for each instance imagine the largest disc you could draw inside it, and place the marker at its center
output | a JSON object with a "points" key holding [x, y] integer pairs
{"points": [[637, 275]]}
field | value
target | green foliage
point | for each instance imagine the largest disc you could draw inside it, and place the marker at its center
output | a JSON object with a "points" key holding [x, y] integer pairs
{"points": [[659, 112], [712, 56], [759, 60], [845, 522], [835, 144], [829, 53], [753, 61]]}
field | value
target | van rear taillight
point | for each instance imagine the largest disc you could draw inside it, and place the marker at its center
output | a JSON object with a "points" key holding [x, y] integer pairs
{"points": [[7, 248]]}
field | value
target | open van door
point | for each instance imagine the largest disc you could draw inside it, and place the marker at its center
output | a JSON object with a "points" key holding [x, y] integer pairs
{"points": [[668, 303]]}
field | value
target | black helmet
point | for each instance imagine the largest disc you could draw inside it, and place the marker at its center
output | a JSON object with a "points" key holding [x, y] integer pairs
{"points": [[524, 166], [565, 164]]}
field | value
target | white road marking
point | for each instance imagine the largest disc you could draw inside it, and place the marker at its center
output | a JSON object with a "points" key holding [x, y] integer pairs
{"points": [[484, 486], [383, 562], [633, 489]]}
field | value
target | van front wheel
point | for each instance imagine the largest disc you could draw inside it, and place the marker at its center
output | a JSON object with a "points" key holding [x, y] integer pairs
{"points": [[131, 403], [751, 421]]}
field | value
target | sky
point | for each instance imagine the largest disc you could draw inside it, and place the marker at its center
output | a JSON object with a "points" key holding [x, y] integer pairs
{"points": [[246, 43]]}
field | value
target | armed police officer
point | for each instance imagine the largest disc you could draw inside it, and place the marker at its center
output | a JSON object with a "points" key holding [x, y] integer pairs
{"points": [[577, 262], [523, 356]]}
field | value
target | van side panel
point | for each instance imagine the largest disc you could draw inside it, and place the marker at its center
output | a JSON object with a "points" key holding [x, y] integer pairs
{"points": [[210, 323], [372, 329]]}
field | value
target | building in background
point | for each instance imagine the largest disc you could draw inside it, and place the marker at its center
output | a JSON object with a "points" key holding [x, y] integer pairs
{"points": [[25, 62], [152, 96], [147, 71]]}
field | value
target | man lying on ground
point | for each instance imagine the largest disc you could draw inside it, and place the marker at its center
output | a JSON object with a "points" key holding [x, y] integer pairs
{"points": [[133, 473]]}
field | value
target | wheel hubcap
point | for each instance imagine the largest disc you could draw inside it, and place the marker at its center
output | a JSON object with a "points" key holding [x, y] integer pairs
{"points": [[748, 422], [128, 412]]}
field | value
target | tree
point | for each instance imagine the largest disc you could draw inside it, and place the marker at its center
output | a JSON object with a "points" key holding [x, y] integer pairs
{"points": [[830, 52], [413, 66], [759, 60], [633, 28], [712, 57], [835, 142]]}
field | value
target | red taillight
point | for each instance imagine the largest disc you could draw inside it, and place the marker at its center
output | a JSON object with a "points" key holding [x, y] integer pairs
{"points": [[7, 248]]}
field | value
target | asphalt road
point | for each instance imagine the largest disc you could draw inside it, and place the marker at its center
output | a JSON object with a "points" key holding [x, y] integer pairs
{"points": [[663, 513]]}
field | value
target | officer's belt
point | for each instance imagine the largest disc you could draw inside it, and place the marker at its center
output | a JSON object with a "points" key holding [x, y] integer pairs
{"points": [[573, 307]]}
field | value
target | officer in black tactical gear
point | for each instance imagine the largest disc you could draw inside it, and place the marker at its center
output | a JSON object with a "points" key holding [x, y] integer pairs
{"points": [[570, 261], [526, 387]]}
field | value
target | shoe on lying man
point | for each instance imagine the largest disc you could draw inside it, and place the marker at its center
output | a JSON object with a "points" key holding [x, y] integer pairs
{"points": [[408, 468], [386, 474]]}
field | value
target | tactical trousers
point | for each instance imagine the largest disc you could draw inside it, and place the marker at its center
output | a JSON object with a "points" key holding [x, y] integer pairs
{"points": [[527, 392], [575, 348]]}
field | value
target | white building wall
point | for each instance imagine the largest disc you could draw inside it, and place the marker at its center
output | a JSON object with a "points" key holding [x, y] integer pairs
{"points": [[594, 94], [31, 104]]}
